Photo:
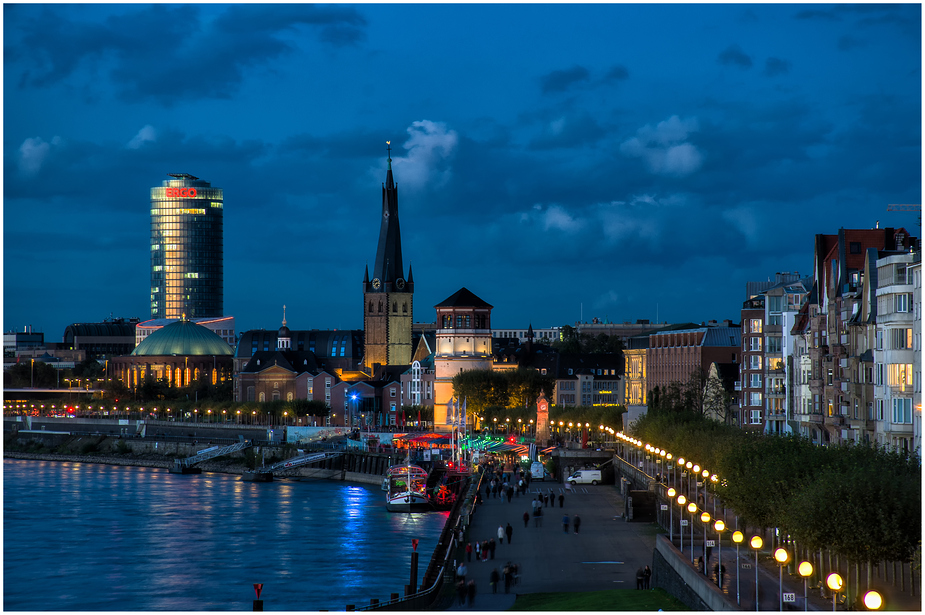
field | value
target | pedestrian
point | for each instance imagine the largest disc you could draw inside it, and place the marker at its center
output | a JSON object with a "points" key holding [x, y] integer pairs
{"points": [[700, 563], [469, 551], [470, 589], [640, 578], [461, 592], [509, 531], [539, 515], [491, 547], [534, 506], [515, 570], [508, 578], [493, 579], [545, 499], [461, 571], [565, 523], [526, 518], [510, 494], [478, 550], [577, 523], [485, 550], [561, 500], [646, 574], [500, 535]]}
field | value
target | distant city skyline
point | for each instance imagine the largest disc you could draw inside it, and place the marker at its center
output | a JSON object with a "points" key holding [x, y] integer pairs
{"points": [[614, 161]]}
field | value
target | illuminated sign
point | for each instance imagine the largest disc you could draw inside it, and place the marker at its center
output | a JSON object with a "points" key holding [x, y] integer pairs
{"points": [[180, 192]]}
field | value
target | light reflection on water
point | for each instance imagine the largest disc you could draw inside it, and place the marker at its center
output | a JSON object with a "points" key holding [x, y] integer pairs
{"points": [[90, 537]]}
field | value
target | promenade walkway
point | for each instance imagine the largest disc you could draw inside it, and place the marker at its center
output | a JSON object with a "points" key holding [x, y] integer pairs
{"points": [[604, 555]]}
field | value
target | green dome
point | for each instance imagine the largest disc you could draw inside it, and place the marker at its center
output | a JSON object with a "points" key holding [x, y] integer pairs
{"points": [[183, 338]]}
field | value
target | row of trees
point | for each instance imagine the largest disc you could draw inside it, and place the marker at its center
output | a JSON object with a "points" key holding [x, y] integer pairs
{"points": [[512, 394], [861, 501], [572, 342]]}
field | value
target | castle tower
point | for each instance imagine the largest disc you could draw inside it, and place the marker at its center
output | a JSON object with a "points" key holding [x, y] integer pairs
{"points": [[387, 295]]}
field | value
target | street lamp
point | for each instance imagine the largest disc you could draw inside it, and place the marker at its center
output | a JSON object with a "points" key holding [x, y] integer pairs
{"points": [[705, 519], [737, 537], [719, 526], [756, 544], [692, 508], [835, 583], [782, 557], [806, 570], [495, 428], [873, 600], [681, 501], [671, 493]]}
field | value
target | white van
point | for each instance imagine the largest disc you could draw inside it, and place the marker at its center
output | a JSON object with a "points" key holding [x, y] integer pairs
{"points": [[585, 476], [537, 471]]}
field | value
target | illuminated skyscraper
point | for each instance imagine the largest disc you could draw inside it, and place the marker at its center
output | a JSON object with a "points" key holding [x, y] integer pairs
{"points": [[186, 248]]}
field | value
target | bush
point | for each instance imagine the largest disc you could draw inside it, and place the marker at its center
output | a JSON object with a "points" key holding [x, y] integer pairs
{"points": [[89, 447], [122, 447]]}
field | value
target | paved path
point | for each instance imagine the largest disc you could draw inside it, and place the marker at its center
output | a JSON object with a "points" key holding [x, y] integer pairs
{"points": [[604, 555]]}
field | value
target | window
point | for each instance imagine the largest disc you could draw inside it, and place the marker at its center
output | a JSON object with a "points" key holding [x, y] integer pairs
{"points": [[900, 338], [878, 373], [755, 381], [879, 409], [902, 302], [755, 344], [447, 321], [774, 344], [855, 247], [392, 392], [754, 325], [902, 410], [754, 399], [755, 417], [899, 375], [774, 304]]}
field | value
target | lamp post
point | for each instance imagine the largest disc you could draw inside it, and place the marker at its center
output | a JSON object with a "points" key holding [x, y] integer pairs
{"points": [[835, 583], [671, 493], [692, 508], [681, 501], [494, 429], [680, 463], [806, 570], [688, 465], [782, 557], [696, 476], [705, 519], [737, 537], [719, 526], [756, 543]]}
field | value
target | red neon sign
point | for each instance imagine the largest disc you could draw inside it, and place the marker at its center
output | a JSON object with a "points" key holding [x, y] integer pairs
{"points": [[181, 192]]}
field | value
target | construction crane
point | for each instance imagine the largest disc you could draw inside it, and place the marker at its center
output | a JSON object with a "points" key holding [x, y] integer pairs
{"points": [[907, 207]]}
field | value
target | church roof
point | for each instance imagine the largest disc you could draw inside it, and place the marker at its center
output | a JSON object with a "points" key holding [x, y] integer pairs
{"points": [[463, 298], [183, 338]]}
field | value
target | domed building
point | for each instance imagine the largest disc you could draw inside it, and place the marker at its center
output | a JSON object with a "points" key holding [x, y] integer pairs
{"points": [[180, 353]]}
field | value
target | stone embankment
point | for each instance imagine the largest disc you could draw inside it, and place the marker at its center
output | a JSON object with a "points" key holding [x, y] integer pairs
{"points": [[142, 461]]}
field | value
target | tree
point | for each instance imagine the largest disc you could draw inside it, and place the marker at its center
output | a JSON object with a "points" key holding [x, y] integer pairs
{"points": [[525, 385], [568, 342], [481, 388]]}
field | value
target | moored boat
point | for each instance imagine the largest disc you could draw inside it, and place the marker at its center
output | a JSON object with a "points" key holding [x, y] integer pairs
{"points": [[407, 489]]}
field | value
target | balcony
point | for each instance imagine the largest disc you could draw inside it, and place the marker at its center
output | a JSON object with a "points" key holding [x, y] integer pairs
{"points": [[738, 385], [777, 391]]}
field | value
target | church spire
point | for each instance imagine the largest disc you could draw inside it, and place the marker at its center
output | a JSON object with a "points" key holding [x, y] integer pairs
{"points": [[388, 265]]}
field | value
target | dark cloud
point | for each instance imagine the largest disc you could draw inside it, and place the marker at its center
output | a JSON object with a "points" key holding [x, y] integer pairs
{"points": [[172, 53], [734, 56], [565, 132], [775, 66], [848, 42], [618, 72], [562, 80]]}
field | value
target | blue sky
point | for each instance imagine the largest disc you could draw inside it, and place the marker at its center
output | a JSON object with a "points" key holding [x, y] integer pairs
{"points": [[607, 160]]}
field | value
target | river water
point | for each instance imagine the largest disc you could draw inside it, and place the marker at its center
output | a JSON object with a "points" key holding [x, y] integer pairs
{"points": [[87, 537]]}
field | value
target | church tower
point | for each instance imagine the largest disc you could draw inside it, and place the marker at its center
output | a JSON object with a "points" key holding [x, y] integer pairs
{"points": [[387, 295]]}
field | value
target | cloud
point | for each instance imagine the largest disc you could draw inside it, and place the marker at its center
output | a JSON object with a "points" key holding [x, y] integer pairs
{"points": [[775, 66], [734, 56], [147, 133], [561, 80], [431, 146], [33, 152], [664, 148], [556, 217], [568, 131], [617, 72], [140, 48]]}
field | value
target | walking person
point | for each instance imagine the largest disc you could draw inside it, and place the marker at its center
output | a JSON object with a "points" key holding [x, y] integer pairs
{"points": [[539, 515], [470, 589], [469, 552], [500, 535], [461, 571], [493, 579], [640, 578], [508, 578], [478, 550], [485, 550], [577, 523], [461, 592], [491, 548], [565, 523], [510, 532], [646, 575], [561, 500], [526, 519]]}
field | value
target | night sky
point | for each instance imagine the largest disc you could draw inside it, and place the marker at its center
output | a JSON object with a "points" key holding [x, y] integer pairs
{"points": [[611, 161]]}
